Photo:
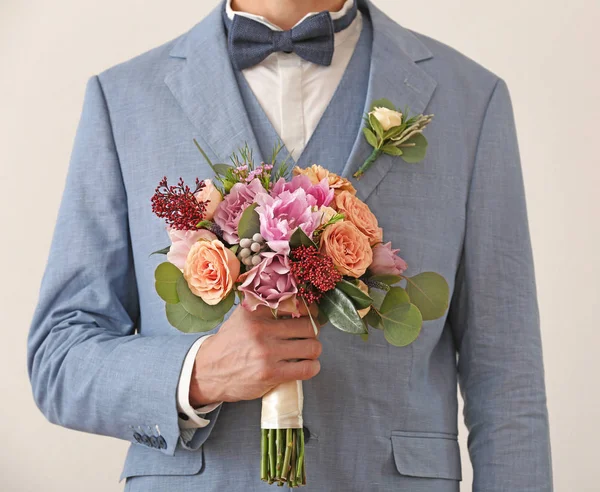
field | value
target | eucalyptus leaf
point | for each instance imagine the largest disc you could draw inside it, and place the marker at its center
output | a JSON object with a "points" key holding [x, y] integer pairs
{"points": [[373, 319], [299, 238], [391, 150], [186, 322], [197, 307], [249, 222], [370, 136], [340, 312], [358, 297], [429, 291], [382, 103], [416, 153], [386, 279], [402, 325], [394, 298], [394, 132], [377, 295], [222, 168], [163, 251], [166, 276]]}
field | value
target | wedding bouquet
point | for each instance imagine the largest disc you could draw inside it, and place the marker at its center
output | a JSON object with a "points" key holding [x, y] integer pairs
{"points": [[288, 241]]}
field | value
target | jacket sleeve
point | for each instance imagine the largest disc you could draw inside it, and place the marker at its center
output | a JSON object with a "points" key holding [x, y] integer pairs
{"points": [[88, 368], [494, 315]]}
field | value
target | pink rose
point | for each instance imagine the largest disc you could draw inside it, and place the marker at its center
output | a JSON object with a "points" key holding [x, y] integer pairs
{"points": [[270, 283], [281, 215], [321, 191], [210, 270], [230, 210], [386, 262], [182, 241], [211, 196]]}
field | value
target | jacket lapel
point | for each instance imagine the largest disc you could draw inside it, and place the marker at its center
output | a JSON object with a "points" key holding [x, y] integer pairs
{"points": [[394, 75], [205, 86]]}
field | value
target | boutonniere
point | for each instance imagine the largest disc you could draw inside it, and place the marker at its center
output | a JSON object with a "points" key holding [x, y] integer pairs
{"points": [[392, 132]]}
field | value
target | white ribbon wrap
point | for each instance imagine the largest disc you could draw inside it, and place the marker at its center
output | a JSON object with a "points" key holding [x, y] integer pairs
{"points": [[282, 407]]}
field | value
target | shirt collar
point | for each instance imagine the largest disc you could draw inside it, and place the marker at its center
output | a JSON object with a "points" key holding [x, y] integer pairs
{"points": [[339, 37]]}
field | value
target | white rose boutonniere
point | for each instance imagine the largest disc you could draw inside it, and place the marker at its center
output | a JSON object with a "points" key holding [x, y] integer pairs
{"points": [[392, 132]]}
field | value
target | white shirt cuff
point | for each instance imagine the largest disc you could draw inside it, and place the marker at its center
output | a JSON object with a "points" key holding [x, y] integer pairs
{"points": [[193, 420]]}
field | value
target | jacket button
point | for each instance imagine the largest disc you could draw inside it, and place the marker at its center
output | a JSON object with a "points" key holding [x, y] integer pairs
{"points": [[137, 437], [162, 444], [145, 440], [154, 442], [306, 434]]}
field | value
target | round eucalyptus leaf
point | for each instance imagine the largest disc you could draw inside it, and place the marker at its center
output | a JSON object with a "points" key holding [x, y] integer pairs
{"points": [[373, 319], [429, 291], [186, 322], [417, 152], [395, 297], [402, 325], [197, 307], [166, 276]]}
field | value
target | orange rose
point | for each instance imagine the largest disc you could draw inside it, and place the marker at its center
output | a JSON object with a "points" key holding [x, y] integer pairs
{"points": [[365, 288], [212, 196], [358, 212], [347, 247], [316, 173], [210, 270]]}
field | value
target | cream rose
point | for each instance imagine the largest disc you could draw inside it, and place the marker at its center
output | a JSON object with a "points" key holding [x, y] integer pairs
{"points": [[358, 212], [211, 270], [348, 248], [212, 196], [387, 117]]}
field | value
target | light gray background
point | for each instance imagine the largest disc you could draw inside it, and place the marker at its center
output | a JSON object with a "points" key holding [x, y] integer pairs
{"points": [[544, 49]]}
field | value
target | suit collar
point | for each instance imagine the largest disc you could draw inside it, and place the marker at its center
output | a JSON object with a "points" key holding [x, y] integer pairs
{"points": [[206, 88]]}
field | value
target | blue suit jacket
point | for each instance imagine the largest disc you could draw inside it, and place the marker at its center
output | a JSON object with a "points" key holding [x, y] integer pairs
{"points": [[102, 357]]}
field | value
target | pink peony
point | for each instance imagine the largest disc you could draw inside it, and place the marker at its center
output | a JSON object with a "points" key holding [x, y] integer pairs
{"points": [[386, 262], [182, 241], [282, 214], [321, 191], [271, 284], [229, 211]]}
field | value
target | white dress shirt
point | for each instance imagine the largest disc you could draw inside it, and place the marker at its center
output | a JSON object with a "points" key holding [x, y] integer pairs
{"points": [[294, 94]]}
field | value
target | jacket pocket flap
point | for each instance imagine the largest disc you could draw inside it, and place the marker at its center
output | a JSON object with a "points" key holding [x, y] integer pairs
{"points": [[146, 461], [427, 454]]}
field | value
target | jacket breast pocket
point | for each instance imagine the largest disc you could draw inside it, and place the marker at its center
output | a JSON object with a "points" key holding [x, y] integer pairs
{"points": [[427, 454], [142, 461]]}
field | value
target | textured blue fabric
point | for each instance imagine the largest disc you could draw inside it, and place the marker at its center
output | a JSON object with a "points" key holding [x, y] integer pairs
{"points": [[346, 105], [250, 41], [381, 418]]}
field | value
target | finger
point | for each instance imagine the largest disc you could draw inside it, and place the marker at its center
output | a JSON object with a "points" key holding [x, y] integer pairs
{"points": [[308, 348], [293, 328], [297, 371]]}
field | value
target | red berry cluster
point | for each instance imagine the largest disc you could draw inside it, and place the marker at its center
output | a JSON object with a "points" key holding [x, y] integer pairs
{"points": [[315, 273], [178, 205]]}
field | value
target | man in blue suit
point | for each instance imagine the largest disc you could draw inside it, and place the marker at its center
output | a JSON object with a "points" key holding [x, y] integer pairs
{"points": [[102, 357]]}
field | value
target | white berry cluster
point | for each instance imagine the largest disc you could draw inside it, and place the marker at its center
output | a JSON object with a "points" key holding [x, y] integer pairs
{"points": [[249, 253]]}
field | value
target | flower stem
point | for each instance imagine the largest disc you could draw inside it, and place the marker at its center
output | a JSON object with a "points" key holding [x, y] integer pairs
{"points": [[288, 454], [368, 163], [280, 445], [300, 463], [264, 458], [271, 454]]}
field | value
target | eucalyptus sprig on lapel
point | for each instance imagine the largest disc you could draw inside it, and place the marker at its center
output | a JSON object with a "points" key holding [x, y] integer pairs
{"points": [[392, 132]]}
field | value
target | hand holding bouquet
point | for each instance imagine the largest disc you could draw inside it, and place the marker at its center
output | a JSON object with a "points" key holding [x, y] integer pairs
{"points": [[296, 245]]}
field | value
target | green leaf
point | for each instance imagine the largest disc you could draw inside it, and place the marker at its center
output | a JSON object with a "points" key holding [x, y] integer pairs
{"points": [[387, 279], [204, 224], [222, 168], [391, 150], [186, 322], [370, 136], [377, 128], [249, 222], [402, 325], [373, 319], [163, 251], [429, 291], [416, 153], [358, 297], [394, 298], [166, 276], [234, 249], [382, 103], [299, 238], [377, 295], [394, 132], [341, 313], [197, 307]]}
